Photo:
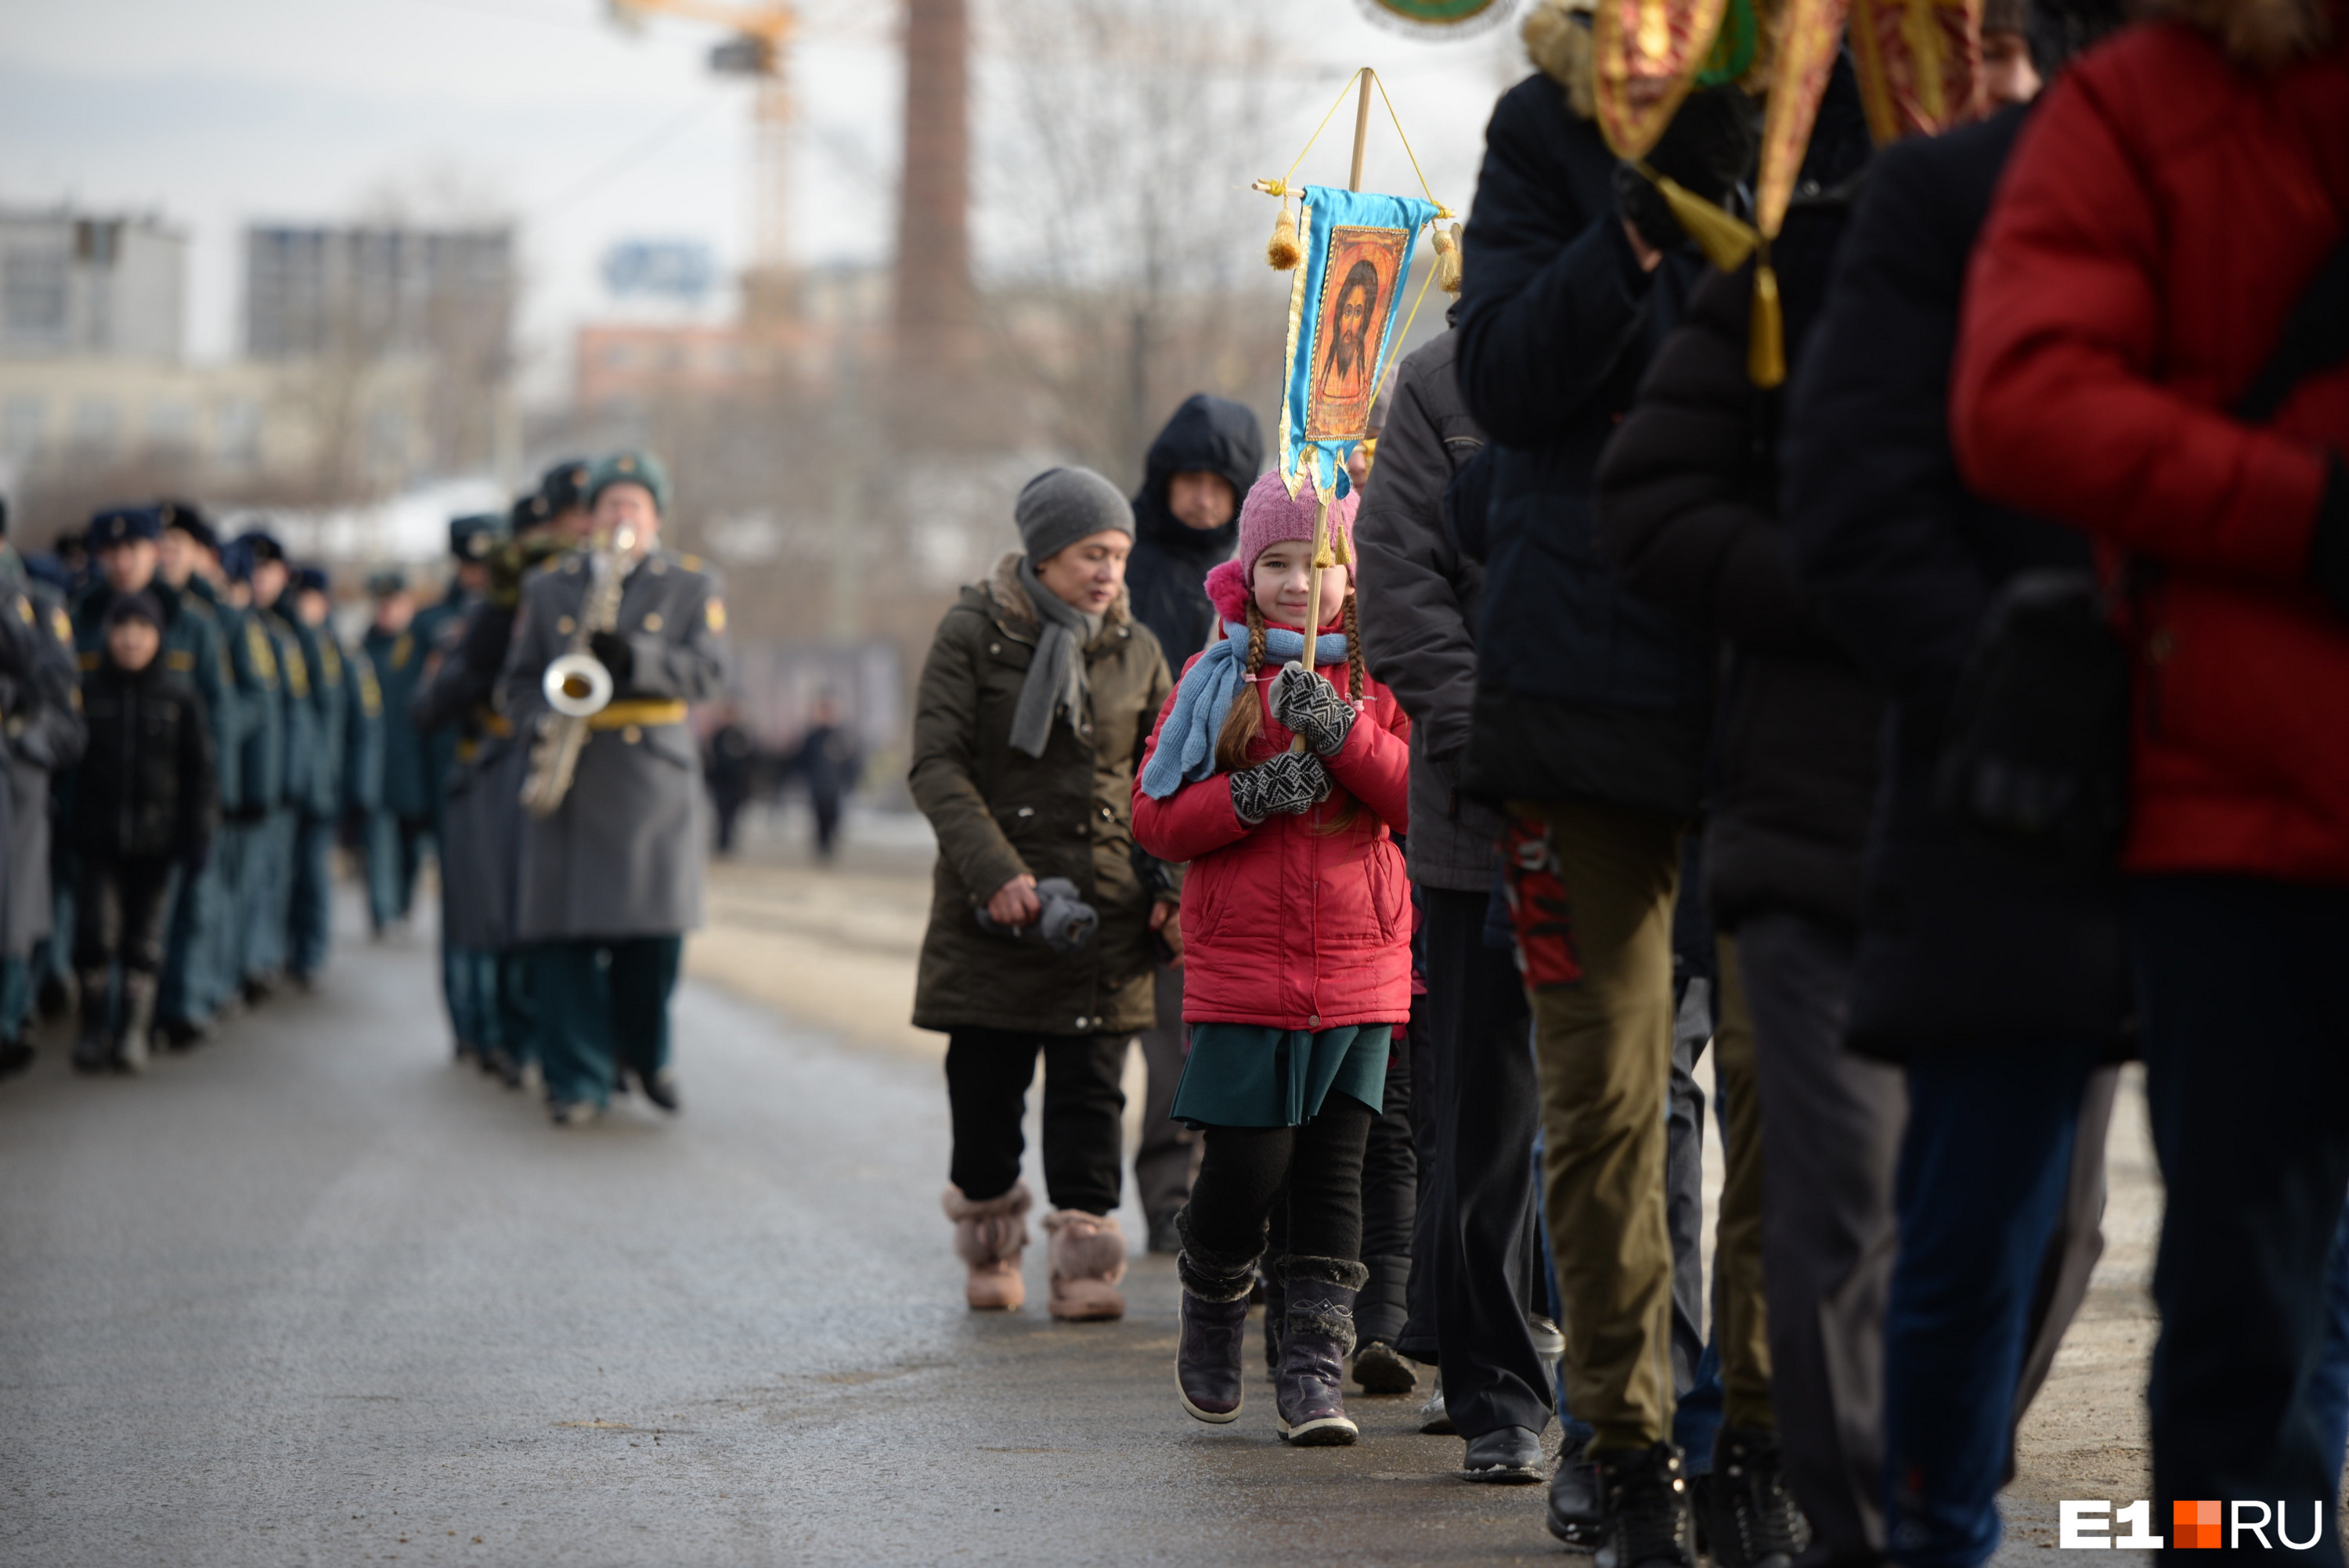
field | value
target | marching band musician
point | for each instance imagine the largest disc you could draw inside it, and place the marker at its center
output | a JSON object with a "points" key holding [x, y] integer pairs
{"points": [[612, 877]]}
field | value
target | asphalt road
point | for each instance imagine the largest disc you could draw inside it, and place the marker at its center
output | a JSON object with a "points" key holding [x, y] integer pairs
{"points": [[310, 1295]]}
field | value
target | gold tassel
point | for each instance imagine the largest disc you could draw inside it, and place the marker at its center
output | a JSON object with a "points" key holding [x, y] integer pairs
{"points": [[1283, 251], [1725, 240], [1447, 258], [1766, 347]]}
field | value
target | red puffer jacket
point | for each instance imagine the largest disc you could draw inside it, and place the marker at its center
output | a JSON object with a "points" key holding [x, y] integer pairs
{"points": [[1288, 923], [2163, 213]]}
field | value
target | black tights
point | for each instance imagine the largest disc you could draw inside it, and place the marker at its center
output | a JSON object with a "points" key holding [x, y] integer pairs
{"points": [[1321, 1162]]}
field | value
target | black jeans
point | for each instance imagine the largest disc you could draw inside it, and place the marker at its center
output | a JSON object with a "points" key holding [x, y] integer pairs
{"points": [[1389, 1200], [987, 1075], [2246, 1036], [118, 912], [1321, 1162], [1485, 1249]]}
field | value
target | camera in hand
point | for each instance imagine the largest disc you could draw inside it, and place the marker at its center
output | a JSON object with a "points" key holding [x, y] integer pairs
{"points": [[1066, 921]]}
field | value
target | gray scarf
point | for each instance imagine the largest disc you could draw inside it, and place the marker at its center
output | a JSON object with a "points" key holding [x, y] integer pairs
{"points": [[1056, 677]]}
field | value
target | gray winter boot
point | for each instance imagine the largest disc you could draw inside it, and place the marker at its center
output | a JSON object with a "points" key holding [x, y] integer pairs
{"points": [[131, 1039], [1211, 1353], [1319, 1335], [93, 1052]]}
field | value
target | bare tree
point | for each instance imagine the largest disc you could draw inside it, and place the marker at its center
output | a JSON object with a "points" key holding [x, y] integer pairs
{"points": [[1131, 268]]}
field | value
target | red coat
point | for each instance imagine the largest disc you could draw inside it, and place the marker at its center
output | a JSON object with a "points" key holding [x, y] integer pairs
{"points": [[1286, 923], [2163, 212]]}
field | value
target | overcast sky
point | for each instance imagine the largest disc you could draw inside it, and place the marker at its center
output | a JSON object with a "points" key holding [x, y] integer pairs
{"points": [[221, 112]]}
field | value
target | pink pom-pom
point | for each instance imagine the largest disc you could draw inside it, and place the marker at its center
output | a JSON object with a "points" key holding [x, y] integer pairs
{"points": [[1227, 590]]}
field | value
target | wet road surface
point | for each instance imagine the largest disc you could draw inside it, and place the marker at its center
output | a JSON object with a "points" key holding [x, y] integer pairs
{"points": [[310, 1295]]}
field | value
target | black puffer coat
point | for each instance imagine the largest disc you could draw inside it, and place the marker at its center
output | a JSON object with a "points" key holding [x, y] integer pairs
{"points": [[1964, 942], [1419, 603], [1688, 510], [1165, 576], [1691, 516], [1583, 687], [146, 785]]}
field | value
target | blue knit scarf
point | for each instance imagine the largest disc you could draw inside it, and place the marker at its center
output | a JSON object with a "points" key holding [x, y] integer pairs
{"points": [[1187, 743]]}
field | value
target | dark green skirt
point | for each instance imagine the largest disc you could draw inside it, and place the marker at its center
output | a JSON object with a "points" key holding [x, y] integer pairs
{"points": [[1250, 1075]]}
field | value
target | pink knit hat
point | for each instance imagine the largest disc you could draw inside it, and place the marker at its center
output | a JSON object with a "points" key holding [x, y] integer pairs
{"points": [[1271, 516]]}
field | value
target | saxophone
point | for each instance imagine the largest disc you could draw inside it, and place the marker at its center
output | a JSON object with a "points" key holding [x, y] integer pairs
{"points": [[576, 686]]}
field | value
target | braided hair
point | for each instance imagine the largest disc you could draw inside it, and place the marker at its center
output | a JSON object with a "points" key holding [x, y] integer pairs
{"points": [[1245, 721]]}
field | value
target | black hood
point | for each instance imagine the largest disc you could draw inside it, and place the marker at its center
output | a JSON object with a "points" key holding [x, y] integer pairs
{"points": [[1209, 435]]}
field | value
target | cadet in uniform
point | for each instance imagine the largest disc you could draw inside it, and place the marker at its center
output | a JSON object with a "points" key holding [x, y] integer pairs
{"points": [[481, 813], [40, 713], [396, 831], [307, 603], [272, 908], [243, 846], [200, 974], [127, 542], [612, 880]]}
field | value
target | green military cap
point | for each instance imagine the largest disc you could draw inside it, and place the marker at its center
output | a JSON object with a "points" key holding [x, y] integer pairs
{"points": [[473, 537], [631, 467], [385, 584]]}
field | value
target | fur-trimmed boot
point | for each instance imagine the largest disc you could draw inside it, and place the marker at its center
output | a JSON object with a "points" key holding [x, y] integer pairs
{"points": [[1320, 1334], [1211, 1351], [1087, 1254], [989, 1236], [134, 1031]]}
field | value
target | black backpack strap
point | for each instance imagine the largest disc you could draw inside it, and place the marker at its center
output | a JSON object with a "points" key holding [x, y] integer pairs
{"points": [[2316, 337]]}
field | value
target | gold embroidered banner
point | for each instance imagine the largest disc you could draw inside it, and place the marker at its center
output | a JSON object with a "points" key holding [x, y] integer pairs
{"points": [[1648, 54], [1919, 64]]}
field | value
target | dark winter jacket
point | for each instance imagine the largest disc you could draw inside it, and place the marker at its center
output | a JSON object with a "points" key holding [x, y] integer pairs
{"points": [[1583, 689], [1689, 510], [1170, 560], [1964, 942], [1418, 598], [145, 787], [999, 813], [2163, 214]]}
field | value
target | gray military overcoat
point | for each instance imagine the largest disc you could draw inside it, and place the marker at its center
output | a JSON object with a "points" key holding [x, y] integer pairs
{"points": [[623, 855]]}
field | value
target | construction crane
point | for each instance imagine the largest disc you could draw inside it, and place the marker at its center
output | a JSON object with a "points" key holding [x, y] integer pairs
{"points": [[760, 49]]}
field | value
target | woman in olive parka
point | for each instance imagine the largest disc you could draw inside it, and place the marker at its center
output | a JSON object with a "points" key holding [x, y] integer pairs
{"points": [[1035, 706]]}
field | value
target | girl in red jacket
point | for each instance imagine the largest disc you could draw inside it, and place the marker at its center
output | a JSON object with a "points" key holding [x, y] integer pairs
{"points": [[1296, 962]]}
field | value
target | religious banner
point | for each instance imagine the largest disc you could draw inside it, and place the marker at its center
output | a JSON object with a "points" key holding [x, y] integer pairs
{"points": [[1918, 64], [1810, 34], [1647, 57], [1356, 263]]}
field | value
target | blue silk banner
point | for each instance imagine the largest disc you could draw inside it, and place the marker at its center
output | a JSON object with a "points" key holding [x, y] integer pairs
{"points": [[1341, 315]]}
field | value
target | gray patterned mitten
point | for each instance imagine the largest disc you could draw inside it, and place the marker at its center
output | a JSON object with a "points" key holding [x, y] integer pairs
{"points": [[1292, 782], [1312, 707]]}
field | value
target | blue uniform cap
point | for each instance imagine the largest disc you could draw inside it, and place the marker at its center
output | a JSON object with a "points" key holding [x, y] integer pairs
{"points": [[312, 579], [121, 524], [183, 516], [261, 545], [384, 584], [236, 561]]}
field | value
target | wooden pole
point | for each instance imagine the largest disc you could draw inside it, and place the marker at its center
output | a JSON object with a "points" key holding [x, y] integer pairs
{"points": [[1321, 496], [1361, 128]]}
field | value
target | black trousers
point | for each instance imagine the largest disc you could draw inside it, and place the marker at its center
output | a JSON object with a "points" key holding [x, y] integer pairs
{"points": [[119, 911], [2246, 1038], [987, 1075], [1390, 1201], [1244, 1169], [1482, 1247]]}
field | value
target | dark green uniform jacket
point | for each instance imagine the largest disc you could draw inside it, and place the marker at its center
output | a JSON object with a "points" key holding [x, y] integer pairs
{"points": [[999, 813]]}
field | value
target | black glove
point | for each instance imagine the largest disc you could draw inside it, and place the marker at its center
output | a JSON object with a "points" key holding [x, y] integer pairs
{"points": [[1312, 707], [1644, 208], [1707, 150], [2328, 551], [1293, 783], [613, 652]]}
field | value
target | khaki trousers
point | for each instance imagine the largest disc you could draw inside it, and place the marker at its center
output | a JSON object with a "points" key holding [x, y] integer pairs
{"points": [[1597, 921]]}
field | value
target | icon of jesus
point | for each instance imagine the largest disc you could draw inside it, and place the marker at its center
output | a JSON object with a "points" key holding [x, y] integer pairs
{"points": [[1345, 367]]}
